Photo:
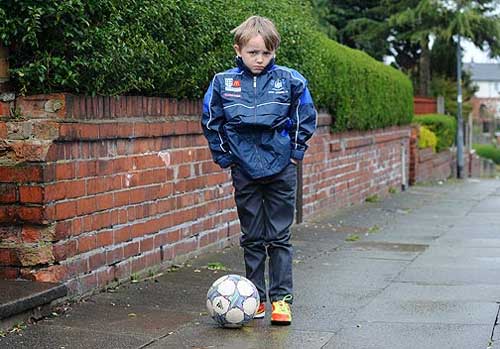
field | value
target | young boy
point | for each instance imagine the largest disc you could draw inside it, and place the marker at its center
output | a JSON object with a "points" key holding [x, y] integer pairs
{"points": [[257, 118]]}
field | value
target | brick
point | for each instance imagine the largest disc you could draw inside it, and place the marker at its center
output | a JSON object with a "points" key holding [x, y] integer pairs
{"points": [[146, 244], [86, 205], [130, 249], [98, 259], [121, 235], [85, 169], [64, 210], [121, 198], [32, 214], [8, 257], [31, 194], [75, 189], [104, 277], [77, 266], [9, 273], [88, 282], [122, 270], [186, 246], [64, 250], [3, 126], [8, 193], [114, 255], [4, 111], [104, 238], [86, 243], [63, 230], [21, 174], [101, 220], [104, 201], [138, 264], [54, 273], [65, 171], [55, 192]]}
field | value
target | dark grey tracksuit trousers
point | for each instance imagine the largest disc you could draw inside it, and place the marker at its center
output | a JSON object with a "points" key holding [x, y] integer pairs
{"points": [[266, 208]]}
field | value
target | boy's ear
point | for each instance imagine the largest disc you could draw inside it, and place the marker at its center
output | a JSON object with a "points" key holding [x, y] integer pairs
{"points": [[237, 49]]}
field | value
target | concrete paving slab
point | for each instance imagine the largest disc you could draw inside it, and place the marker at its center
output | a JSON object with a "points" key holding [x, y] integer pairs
{"points": [[410, 336], [483, 243], [257, 335], [59, 337], [449, 276], [456, 293], [429, 311], [131, 320]]}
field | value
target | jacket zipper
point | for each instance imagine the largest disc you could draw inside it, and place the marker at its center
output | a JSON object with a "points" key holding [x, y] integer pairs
{"points": [[255, 119]]}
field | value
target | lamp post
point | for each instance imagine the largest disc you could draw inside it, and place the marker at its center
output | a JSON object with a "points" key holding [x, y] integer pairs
{"points": [[460, 131]]}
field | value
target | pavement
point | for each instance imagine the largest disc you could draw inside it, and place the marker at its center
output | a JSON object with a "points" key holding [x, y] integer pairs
{"points": [[418, 269]]}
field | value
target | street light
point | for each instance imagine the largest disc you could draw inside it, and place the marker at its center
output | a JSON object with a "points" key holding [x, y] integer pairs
{"points": [[460, 131]]}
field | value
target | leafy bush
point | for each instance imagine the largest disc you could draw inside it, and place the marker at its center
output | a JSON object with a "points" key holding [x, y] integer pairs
{"points": [[361, 93], [443, 126], [172, 48], [427, 138], [488, 151]]}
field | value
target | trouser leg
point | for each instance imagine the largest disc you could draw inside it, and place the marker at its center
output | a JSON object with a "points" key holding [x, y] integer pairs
{"points": [[248, 197], [279, 207]]}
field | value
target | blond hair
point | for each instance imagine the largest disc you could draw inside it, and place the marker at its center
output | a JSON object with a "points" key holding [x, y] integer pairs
{"points": [[256, 25]]}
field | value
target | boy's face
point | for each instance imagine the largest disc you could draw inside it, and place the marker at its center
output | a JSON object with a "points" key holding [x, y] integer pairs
{"points": [[255, 55]]}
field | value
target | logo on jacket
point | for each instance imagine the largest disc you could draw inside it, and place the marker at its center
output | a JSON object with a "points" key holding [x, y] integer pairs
{"points": [[232, 85], [278, 86]]}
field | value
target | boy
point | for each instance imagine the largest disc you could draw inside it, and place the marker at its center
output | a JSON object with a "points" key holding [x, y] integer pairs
{"points": [[257, 118]]}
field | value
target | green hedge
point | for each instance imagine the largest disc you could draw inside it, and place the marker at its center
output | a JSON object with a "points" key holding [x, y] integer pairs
{"points": [[488, 151], [444, 126], [172, 48], [359, 91]]}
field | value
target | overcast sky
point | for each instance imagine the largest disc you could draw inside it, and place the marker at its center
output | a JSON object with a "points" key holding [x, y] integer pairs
{"points": [[472, 52]]}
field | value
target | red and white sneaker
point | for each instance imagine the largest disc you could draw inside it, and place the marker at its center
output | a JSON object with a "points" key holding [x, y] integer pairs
{"points": [[261, 311]]}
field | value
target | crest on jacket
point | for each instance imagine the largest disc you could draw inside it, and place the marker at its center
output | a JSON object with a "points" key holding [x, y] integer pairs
{"points": [[278, 86]]}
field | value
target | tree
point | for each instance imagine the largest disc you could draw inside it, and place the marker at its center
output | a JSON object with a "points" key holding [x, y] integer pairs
{"points": [[404, 28], [444, 20], [358, 24]]}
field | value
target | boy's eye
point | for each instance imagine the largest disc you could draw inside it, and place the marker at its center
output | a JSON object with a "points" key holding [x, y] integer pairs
{"points": [[255, 53]]}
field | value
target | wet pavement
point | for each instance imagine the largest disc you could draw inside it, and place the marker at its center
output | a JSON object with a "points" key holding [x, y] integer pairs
{"points": [[418, 269]]}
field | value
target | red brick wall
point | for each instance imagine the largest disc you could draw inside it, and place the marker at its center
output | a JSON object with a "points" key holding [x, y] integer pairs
{"points": [[424, 105], [342, 169], [101, 188], [425, 165], [94, 189]]}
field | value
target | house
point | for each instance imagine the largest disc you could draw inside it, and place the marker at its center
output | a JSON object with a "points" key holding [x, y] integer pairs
{"points": [[486, 102]]}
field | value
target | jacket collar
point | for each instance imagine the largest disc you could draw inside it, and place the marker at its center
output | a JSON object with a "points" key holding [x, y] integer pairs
{"points": [[243, 67]]}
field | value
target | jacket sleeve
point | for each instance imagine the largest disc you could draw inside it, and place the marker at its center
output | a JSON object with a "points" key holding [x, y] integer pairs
{"points": [[303, 115], [212, 122]]}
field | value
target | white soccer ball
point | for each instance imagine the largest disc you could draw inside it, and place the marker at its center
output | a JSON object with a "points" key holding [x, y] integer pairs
{"points": [[232, 300]]}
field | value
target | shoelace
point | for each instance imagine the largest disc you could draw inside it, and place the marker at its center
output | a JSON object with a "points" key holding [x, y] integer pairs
{"points": [[283, 305]]}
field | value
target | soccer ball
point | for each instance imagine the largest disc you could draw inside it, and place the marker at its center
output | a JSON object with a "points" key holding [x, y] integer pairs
{"points": [[232, 300]]}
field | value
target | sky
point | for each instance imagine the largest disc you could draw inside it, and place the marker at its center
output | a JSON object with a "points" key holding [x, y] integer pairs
{"points": [[472, 52]]}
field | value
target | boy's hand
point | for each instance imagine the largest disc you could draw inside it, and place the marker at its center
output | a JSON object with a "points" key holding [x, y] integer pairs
{"points": [[293, 161]]}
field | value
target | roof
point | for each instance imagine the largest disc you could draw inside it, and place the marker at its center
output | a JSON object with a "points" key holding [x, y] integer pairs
{"points": [[483, 71]]}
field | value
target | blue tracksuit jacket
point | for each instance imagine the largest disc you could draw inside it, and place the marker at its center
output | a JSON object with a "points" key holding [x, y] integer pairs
{"points": [[258, 122]]}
